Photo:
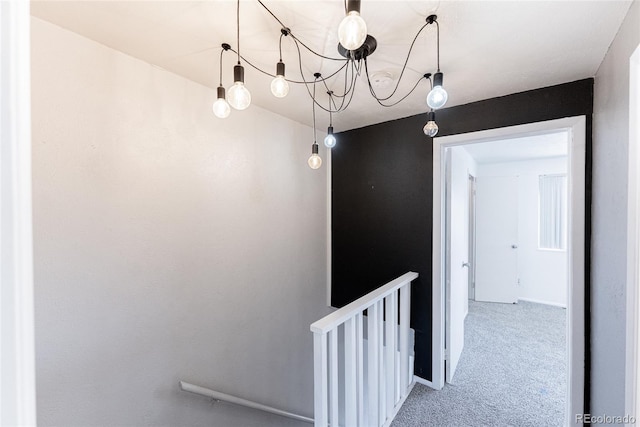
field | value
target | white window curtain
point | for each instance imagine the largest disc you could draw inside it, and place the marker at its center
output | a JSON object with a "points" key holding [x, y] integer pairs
{"points": [[552, 212]]}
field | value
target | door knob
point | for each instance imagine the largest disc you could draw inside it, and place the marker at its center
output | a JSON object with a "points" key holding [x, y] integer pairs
{"points": [[514, 246], [466, 264]]}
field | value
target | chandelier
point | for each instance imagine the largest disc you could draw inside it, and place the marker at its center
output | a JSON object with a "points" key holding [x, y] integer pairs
{"points": [[355, 46]]}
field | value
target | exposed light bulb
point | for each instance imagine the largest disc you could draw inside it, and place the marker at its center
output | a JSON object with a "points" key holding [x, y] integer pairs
{"points": [[431, 128], [438, 96], [315, 161], [239, 95], [330, 141], [279, 87], [352, 31], [221, 107]]}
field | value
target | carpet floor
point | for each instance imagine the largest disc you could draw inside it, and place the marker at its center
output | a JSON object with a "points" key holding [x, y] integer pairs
{"points": [[511, 372]]}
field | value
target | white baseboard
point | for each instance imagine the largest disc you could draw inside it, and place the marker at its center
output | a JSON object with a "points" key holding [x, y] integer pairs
{"points": [[537, 301], [424, 382]]}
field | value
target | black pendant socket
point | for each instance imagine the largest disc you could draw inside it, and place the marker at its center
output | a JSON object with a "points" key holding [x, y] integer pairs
{"points": [[238, 73], [353, 6], [330, 130], [314, 148], [280, 69], [221, 92], [431, 116], [437, 79]]}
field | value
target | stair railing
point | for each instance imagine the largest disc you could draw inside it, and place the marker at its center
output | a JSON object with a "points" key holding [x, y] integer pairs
{"points": [[382, 365], [223, 397]]}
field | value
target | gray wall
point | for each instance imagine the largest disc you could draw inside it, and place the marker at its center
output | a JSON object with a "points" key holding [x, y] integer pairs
{"points": [[609, 210], [169, 245]]}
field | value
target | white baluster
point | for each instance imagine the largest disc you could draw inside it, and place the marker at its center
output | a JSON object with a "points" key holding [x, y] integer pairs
{"points": [[382, 363], [373, 351], [333, 372], [390, 350], [405, 319], [360, 368], [396, 375], [320, 379], [350, 383]]}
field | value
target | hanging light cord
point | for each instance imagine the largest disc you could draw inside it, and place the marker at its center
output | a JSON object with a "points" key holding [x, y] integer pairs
{"points": [[266, 73], [295, 38], [221, 52], [238, 29], [350, 90], [438, 44], [426, 76], [313, 109], [404, 67], [330, 112]]}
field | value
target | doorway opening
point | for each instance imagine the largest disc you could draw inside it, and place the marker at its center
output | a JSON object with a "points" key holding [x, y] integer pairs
{"points": [[447, 348]]}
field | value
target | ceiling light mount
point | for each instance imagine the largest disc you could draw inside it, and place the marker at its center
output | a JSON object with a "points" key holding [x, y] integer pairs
{"points": [[367, 48]]}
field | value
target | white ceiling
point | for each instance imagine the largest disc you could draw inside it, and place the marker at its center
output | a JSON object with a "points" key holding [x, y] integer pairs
{"points": [[488, 48], [530, 147]]}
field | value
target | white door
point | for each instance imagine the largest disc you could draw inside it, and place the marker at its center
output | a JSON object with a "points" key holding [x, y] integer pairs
{"points": [[497, 239], [471, 239], [456, 223]]}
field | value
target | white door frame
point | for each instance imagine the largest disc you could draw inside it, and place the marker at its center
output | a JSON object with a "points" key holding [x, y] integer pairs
{"points": [[576, 127], [632, 396], [17, 364]]}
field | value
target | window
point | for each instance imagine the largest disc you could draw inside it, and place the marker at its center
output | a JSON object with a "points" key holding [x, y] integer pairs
{"points": [[552, 212]]}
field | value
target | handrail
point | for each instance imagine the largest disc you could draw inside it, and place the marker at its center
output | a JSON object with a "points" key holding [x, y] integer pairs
{"points": [[339, 316], [341, 393], [203, 391]]}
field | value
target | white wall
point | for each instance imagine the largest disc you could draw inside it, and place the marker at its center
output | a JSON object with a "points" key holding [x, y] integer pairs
{"points": [[168, 245], [609, 213], [542, 273]]}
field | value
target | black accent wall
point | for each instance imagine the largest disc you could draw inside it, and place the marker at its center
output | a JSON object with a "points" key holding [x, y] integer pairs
{"points": [[382, 178]]}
